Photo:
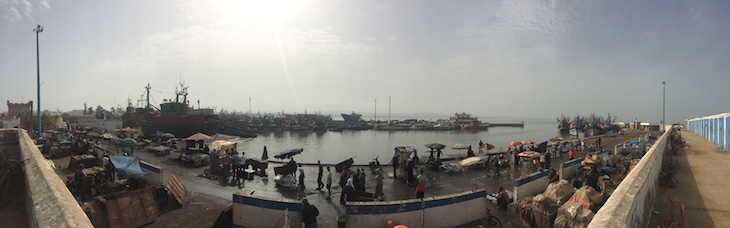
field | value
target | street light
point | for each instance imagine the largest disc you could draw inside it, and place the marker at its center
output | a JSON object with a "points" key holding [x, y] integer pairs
{"points": [[37, 30], [664, 92]]}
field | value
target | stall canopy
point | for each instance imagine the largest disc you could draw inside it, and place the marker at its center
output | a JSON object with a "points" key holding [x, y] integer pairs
{"points": [[127, 166], [198, 137]]}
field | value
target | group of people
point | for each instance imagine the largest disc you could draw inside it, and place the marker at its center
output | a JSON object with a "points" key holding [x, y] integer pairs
{"points": [[76, 183], [227, 164]]}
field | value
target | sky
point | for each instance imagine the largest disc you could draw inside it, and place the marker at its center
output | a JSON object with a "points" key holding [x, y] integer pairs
{"points": [[515, 58]]}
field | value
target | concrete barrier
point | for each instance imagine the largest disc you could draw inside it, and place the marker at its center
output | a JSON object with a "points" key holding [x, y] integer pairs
{"points": [[257, 211], [459, 208], [49, 202], [569, 168], [531, 185], [631, 203]]}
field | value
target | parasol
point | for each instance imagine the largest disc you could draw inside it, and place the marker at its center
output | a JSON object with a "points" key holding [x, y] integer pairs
{"points": [[515, 143], [126, 129], [528, 142], [460, 146], [435, 146], [288, 153], [198, 137], [486, 147], [555, 139], [129, 141]]}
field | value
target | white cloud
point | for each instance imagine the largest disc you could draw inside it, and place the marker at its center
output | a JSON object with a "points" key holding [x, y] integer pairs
{"points": [[17, 10], [44, 5]]}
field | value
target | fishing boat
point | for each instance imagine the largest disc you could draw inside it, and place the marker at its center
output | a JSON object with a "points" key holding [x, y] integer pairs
{"points": [[475, 126], [564, 124], [176, 117]]}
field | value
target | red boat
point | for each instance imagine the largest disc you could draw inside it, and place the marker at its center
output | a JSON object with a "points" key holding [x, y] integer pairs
{"points": [[475, 126]]}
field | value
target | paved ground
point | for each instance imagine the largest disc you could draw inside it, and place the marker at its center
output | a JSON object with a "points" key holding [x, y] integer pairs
{"points": [[206, 198], [702, 187]]}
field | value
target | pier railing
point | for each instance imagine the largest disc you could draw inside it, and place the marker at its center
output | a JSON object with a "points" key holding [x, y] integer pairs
{"points": [[631, 203]]}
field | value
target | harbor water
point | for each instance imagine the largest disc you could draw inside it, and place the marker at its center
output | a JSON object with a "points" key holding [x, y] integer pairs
{"points": [[363, 146]]}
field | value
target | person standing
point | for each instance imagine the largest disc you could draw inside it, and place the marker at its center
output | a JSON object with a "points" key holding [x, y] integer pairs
{"points": [[438, 154], [80, 179], [571, 154], [542, 161], [395, 166], [421, 186], [502, 199], [599, 143], [309, 214], [301, 184], [319, 176], [516, 158], [329, 181], [235, 165]]}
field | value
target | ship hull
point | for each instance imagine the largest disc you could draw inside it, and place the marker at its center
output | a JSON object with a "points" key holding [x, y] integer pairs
{"points": [[181, 126]]}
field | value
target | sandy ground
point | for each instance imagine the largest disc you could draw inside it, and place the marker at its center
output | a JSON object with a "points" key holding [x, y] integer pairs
{"points": [[701, 186]]}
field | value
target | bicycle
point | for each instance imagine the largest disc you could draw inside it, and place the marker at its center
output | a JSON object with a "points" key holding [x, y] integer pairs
{"points": [[492, 220]]}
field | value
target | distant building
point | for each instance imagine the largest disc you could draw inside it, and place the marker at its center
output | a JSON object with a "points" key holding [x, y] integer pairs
{"points": [[22, 111]]}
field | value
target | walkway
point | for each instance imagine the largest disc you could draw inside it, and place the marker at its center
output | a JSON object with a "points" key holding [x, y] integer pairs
{"points": [[702, 187]]}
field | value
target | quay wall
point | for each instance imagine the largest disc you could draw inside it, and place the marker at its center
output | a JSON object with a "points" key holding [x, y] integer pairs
{"points": [[531, 185], [713, 128], [49, 202], [631, 203], [257, 211], [459, 208]]}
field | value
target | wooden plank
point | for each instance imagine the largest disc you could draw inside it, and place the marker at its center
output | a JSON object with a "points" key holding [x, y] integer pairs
{"points": [[177, 189]]}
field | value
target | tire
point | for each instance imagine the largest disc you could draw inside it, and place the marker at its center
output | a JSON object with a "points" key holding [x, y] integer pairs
{"points": [[494, 222]]}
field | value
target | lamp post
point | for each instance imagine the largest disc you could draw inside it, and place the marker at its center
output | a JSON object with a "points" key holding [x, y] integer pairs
{"points": [[664, 92], [37, 30]]}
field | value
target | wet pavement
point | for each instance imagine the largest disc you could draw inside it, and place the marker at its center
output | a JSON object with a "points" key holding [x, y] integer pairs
{"points": [[438, 183]]}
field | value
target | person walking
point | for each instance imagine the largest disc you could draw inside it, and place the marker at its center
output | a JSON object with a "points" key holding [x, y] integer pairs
{"points": [[343, 181], [421, 186], [395, 166], [319, 176], [379, 184], [309, 214], [329, 182]]}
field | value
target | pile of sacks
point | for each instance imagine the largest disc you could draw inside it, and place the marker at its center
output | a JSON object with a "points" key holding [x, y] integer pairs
{"points": [[541, 209], [577, 212]]}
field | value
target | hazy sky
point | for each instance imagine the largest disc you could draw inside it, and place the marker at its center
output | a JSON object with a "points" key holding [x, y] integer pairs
{"points": [[488, 58]]}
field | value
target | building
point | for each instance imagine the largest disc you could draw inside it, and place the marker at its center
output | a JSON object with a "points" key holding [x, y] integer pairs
{"points": [[24, 111]]}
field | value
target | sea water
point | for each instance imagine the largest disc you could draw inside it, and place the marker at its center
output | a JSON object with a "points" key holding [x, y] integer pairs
{"points": [[363, 146]]}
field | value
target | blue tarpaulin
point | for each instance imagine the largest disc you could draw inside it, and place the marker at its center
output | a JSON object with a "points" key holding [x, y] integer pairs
{"points": [[127, 166]]}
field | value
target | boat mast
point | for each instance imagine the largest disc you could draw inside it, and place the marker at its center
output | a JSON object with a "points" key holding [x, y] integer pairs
{"points": [[388, 109], [148, 95]]}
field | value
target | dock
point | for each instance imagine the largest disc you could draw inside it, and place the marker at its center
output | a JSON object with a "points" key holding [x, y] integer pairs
{"points": [[521, 124]]}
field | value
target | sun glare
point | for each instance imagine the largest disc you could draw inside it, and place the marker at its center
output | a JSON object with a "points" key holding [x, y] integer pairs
{"points": [[259, 11]]}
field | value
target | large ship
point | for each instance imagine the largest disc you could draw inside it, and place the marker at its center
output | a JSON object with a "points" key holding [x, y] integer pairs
{"points": [[354, 117], [176, 117]]}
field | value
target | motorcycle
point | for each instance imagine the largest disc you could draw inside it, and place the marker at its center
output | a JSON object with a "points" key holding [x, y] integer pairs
{"points": [[374, 165]]}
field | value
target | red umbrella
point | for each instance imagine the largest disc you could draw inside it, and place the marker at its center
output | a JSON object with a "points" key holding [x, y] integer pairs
{"points": [[515, 143]]}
